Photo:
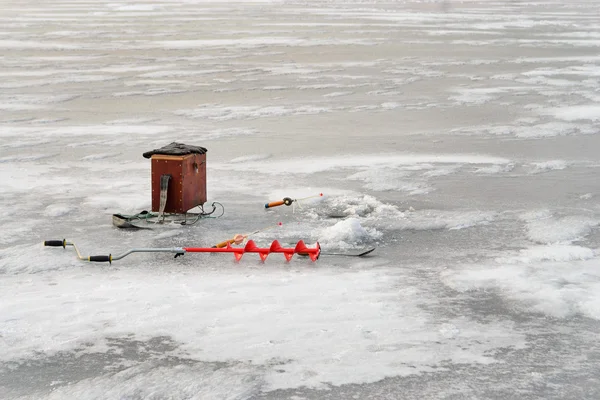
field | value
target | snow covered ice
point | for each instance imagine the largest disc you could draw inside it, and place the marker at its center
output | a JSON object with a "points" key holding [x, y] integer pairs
{"points": [[460, 138]]}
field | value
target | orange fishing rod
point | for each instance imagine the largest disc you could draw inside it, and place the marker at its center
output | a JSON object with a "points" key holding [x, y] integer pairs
{"points": [[288, 201]]}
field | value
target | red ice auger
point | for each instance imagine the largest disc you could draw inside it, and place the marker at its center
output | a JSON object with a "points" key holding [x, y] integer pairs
{"points": [[238, 252]]}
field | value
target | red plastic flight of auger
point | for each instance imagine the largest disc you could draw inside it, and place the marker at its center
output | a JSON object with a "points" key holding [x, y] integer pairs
{"points": [[263, 252]]}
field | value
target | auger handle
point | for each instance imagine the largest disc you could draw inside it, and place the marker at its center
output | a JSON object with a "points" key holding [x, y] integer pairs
{"points": [[224, 244], [237, 239], [274, 204], [107, 258], [56, 243], [286, 200]]}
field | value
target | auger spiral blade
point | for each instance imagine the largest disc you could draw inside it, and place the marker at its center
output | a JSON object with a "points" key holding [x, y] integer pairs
{"points": [[263, 252]]}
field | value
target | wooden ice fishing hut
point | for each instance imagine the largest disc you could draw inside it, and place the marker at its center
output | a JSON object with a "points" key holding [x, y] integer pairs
{"points": [[178, 177]]}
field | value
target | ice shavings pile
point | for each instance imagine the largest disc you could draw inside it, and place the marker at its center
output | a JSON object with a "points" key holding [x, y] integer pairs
{"points": [[347, 233], [372, 212]]}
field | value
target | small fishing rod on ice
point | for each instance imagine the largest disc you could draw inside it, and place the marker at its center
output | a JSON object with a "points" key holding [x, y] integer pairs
{"points": [[288, 201]]}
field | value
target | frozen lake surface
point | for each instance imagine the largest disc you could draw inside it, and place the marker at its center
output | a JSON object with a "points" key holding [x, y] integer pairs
{"points": [[459, 137]]}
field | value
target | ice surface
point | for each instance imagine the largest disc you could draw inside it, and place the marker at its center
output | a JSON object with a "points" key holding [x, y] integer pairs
{"points": [[384, 179], [337, 94], [529, 129], [479, 95], [312, 165], [152, 381], [545, 166], [251, 157], [495, 169], [218, 113], [254, 42], [583, 112], [437, 219], [57, 210], [557, 253], [548, 229], [459, 138], [319, 321], [82, 130], [557, 289]]}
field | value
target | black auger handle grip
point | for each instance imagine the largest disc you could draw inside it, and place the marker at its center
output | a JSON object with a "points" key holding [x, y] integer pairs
{"points": [[56, 243], [107, 258]]}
